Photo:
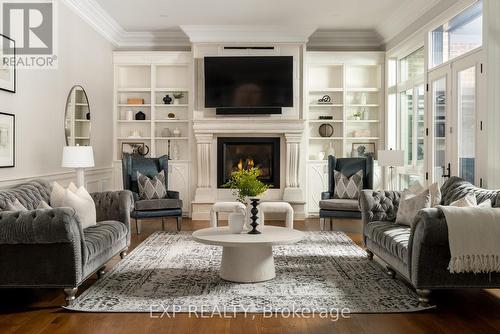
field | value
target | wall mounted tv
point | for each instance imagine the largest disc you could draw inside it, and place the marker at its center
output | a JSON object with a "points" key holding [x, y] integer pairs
{"points": [[248, 85]]}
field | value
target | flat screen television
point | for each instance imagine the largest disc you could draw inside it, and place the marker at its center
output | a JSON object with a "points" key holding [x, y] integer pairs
{"points": [[249, 85]]}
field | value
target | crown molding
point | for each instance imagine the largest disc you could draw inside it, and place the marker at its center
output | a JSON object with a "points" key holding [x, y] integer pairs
{"points": [[323, 39], [98, 18], [247, 34], [103, 23], [407, 13]]}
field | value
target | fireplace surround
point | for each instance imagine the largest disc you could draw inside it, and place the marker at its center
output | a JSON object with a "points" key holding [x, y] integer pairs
{"points": [[237, 153]]}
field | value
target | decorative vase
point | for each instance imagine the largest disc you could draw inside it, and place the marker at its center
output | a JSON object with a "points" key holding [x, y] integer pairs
{"points": [[326, 130], [177, 101], [175, 151], [167, 99], [165, 132], [140, 116], [87, 116], [363, 99], [177, 132], [254, 211], [321, 155], [365, 114], [236, 221], [331, 149], [129, 115]]}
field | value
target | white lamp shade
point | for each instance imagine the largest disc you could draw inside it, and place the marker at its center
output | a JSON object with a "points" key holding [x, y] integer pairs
{"points": [[391, 158], [78, 157]]}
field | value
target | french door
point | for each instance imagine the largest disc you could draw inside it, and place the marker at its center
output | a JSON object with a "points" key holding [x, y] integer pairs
{"points": [[453, 134], [440, 119]]}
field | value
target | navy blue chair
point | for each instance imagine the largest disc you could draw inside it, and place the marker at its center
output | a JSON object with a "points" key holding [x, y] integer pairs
{"points": [[331, 207], [170, 206]]}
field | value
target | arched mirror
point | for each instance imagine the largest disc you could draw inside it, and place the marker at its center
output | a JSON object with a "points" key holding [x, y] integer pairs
{"points": [[77, 118]]}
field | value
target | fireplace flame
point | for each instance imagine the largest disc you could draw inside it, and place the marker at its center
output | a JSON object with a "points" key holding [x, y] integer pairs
{"points": [[249, 163]]}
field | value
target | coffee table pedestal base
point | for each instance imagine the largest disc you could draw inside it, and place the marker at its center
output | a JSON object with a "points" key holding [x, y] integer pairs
{"points": [[247, 264]]}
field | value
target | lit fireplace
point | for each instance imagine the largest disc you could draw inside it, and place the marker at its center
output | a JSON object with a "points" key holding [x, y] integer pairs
{"points": [[235, 154]]}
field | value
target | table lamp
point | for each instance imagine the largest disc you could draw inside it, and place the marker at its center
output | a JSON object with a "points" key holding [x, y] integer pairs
{"points": [[391, 158], [79, 158]]}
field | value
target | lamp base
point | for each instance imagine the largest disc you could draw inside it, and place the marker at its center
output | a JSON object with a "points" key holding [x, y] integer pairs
{"points": [[80, 177]]}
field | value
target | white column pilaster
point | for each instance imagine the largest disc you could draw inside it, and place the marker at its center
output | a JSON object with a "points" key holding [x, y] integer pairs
{"points": [[293, 191], [203, 154]]}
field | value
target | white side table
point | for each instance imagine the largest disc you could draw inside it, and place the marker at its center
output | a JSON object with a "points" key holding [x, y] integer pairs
{"points": [[247, 258]]}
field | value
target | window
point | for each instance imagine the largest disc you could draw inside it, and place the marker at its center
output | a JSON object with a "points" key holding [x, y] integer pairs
{"points": [[458, 36], [411, 116]]}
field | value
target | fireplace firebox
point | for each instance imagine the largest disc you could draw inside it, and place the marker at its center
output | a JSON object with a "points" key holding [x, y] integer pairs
{"points": [[236, 153]]}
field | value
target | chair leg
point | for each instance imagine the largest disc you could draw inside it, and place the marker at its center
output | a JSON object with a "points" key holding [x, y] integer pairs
{"points": [[100, 272], [322, 224], [369, 253], [163, 223], [391, 272], [424, 296], [138, 226], [179, 222], [331, 224], [70, 294], [124, 253]]}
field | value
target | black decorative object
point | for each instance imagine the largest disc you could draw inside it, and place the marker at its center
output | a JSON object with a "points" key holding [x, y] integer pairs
{"points": [[254, 211], [326, 99], [87, 116], [326, 130], [140, 116], [167, 99], [171, 115], [325, 117]]}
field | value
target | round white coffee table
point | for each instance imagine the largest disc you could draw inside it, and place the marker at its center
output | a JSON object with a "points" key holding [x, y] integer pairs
{"points": [[247, 258]]}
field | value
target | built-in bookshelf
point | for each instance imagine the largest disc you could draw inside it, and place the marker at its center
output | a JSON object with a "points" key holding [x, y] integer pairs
{"points": [[347, 88], [145, 116], [142, 88]]}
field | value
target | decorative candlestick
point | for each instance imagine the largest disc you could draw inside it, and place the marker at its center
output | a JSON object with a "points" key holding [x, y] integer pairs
{"points": [[254, 211]]}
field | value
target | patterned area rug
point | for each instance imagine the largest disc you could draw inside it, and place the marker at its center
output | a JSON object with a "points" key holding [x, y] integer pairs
{"points": [[325, 271]]}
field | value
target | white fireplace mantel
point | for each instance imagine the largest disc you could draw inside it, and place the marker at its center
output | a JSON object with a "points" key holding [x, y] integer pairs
{"points": [[248, 125], [206, 130]]}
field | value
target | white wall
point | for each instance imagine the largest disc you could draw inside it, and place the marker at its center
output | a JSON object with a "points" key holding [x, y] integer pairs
{"points": [[85, 58]]}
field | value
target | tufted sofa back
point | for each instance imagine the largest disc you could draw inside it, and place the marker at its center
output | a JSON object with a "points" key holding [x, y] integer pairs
{"points": [[29, 194], [455, 188]]}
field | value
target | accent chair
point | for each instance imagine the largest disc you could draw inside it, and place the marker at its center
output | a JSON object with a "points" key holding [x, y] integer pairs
{"points": [[331, 207], [170, 206]]}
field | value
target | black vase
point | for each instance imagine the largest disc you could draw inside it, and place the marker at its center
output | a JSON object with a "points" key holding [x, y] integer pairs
{"points": [[167, 99], [254, 211], [87, 116], [140, 116]]}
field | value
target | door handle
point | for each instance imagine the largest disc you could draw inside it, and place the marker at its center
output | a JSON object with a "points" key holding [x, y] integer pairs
{"points": [[448, 169]]}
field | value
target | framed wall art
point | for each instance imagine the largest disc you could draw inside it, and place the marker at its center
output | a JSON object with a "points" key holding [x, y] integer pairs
{"points": [[7, 140], [7, 73]]}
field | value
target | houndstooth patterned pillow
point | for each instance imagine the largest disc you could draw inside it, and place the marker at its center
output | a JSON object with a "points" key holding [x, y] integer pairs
{"points": [[348, 187], [151, 188]]}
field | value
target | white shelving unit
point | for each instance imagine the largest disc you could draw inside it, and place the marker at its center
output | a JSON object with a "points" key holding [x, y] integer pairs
{"points": [[77, 125], [354, 82], [151, 76]]}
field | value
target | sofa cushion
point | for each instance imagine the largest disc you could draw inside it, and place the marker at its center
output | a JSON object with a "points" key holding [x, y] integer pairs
{"points": [[339, 204], [157, 204], [392, 237], [100, 237]]}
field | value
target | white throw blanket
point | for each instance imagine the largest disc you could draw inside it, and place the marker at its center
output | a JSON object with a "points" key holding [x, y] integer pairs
{"points": [[474, 236]]}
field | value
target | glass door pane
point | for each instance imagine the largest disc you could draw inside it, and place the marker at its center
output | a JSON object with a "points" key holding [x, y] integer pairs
{"points": [[420, 125], [439, 101], [467, 124], [406, 99]]}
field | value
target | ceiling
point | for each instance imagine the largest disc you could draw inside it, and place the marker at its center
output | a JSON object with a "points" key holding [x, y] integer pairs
{"points": [[383, 17]]}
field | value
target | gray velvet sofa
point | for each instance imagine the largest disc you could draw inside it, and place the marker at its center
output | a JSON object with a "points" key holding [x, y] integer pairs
{"points": [[49, 249], [420, 254]]}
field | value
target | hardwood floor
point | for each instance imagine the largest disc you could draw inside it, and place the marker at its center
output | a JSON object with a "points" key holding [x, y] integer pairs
{"points": [[39, 311]]}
